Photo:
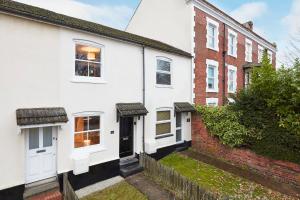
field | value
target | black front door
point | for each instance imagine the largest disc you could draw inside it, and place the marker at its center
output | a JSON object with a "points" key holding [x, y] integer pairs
{"points": [[126, 136]]}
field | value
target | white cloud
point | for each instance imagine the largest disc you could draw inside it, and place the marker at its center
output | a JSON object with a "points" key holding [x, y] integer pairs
{"points": [[292, 20], [249, 11], [116, 16]]}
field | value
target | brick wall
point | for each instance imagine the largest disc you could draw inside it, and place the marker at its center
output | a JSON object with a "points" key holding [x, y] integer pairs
{"points": [[281, 171], [202, 53]]}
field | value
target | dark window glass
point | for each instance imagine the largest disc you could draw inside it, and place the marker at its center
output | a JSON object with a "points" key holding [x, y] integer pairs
{"points": [[163, 79], [163, 65], [81, 68], [94, 123], [94, 70]]}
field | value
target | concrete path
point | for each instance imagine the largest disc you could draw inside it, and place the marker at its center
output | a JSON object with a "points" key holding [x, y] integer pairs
{"points": [[149, 188], [98, 186]]}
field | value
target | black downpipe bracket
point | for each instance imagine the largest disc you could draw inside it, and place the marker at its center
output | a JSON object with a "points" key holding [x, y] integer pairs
{"points": [[144, 98], [224, 53]]}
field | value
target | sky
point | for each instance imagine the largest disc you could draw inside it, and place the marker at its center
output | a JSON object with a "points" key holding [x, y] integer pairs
{"points": [[276, 20]]}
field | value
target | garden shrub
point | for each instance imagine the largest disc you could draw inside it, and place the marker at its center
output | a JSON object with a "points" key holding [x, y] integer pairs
{"points": [[224, 124]]}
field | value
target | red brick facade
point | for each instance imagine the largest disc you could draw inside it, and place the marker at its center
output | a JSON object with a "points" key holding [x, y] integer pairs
{"points": [[202, 53], [281, 171]]}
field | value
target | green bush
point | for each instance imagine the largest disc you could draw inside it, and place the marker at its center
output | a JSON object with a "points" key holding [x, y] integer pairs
{"points": [[224, 124]]}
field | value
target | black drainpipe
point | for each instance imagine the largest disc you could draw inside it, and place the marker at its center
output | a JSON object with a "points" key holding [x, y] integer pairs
{"points": [[144, 82], [224, 53]]}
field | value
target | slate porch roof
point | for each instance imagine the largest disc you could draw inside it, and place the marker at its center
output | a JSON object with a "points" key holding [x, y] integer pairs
{"points": [[35, 116], [184, 107], [43, 15], [131, 109]]}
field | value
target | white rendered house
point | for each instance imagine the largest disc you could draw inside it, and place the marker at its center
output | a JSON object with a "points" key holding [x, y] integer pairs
{"points": [[79, 97]]}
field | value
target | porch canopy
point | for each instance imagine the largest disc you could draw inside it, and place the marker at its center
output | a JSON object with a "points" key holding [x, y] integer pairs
{"points": [[41, 116], [130, 109], [250, 65], [184, 107]]}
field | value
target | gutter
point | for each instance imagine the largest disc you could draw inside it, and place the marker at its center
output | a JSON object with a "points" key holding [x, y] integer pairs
{"points": [[144, 97]]}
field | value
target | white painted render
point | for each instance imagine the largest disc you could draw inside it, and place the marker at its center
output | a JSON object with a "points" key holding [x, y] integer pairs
{"points": [[168, 21], [37, 64]]}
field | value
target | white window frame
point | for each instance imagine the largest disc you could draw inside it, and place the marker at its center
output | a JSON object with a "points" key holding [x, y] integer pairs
{"points": [[87, 79], [211, 22], [235, 42], [214, 101], [164, 72], [215, 64], [164, 121], [233, 68], [247, 41], [270, 56], [92, 148], [260, 53]]}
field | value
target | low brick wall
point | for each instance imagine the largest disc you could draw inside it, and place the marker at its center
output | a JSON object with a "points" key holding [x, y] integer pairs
{"points": [[285, 172]]}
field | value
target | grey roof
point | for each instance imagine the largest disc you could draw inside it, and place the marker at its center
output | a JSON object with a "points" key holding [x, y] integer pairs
{"points": [[131, 109], [184, 107], [251, 65], [48, 16], [35, 116]]}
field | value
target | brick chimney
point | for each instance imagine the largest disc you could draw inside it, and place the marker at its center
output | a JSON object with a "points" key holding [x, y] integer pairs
{"points": [[249, 25]]}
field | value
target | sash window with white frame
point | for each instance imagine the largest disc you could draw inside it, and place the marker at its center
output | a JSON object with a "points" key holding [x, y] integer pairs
{"points": [[163, 71], [212, 76], [212, 35], [88, 61], [232, 79], [87, 130], [260, 53], [248, 50], [232, 43], [163, 122]]}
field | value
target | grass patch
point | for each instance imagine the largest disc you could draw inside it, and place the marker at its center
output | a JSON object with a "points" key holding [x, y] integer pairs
{"points": [[219, 181], [120, 191]]}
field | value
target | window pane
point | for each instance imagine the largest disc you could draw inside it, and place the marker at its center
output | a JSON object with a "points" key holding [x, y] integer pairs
{"points": [[84, 52], [211, 34], [178, 135], [94, 70], [163, 115], [211, 71], [80, 140], [94, 138], [178, 120], [47, 137], [211, 83], [81, 68], [33, 138], [163, 128], [81, 124], [94, 122], [163, 65], [163, 79]]}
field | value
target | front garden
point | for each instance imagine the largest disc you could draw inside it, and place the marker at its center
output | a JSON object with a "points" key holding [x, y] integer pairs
{"points": [[218, 181]]}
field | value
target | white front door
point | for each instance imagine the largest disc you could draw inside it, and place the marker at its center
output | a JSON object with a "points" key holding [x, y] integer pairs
{"points": [[40, 154]]}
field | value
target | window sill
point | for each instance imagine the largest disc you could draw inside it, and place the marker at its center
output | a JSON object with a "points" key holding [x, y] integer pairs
{"points": [[164, 86], [164, 136], [211, 91], [231, 92], [87, 80], [85, 151], [233, 56]]}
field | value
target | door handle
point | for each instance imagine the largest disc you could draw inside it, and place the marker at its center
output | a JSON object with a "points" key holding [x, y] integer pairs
{"points": [[41, 151], [125, 138]]}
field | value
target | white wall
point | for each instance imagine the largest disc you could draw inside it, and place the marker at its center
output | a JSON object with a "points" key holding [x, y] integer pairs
{"points": [[37, 65], [169, 21], [165, 97]]}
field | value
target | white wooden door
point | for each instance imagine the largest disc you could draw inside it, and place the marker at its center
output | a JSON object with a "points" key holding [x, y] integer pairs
{"points": [[40, 154], [179, 127]]}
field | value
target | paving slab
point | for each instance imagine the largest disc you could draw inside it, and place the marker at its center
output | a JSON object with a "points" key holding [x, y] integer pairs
{"points": [[98, 186], [149, 188]]}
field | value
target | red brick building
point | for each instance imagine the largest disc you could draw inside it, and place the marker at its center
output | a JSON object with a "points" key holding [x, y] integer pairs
{"points": [[224, 49]]}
